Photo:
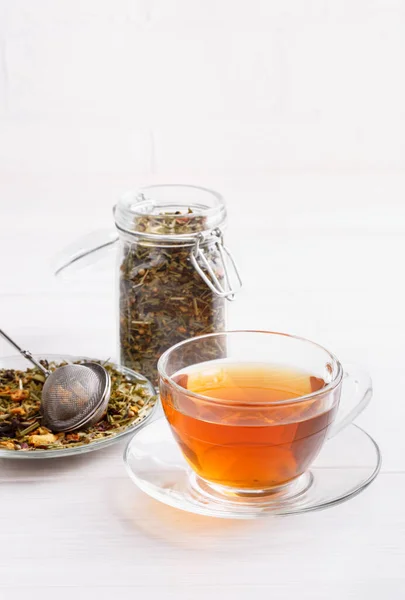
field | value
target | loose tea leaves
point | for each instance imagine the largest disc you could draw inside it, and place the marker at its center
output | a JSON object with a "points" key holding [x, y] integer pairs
{"points": [[21, 425], [163, 300]]}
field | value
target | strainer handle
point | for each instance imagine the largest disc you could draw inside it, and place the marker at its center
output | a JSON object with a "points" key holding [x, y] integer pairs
{"points": [[25, 353]]}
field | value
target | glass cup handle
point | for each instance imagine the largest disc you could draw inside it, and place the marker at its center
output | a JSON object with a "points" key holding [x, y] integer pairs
{"points": [[360, 393]]}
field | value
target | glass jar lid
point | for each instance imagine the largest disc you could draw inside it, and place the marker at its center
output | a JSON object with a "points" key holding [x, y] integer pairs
{"points": [[170, 210]]}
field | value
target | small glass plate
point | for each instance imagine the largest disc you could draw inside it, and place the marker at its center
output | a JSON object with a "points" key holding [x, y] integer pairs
{"points": [[347, 464], [21, 363]]}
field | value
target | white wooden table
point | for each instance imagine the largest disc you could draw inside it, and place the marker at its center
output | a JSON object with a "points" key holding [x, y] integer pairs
{"points": [[321, 257]]}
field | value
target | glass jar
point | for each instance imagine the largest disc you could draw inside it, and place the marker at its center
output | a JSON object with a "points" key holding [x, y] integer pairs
{"points": [[174, 272]]}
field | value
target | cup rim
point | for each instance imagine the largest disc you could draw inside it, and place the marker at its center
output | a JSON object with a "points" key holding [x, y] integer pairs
{"points": [[328, 388]]}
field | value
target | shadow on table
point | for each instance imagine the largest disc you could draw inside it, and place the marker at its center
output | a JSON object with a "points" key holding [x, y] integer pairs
{"points": [[139, 512], [53, 468]]}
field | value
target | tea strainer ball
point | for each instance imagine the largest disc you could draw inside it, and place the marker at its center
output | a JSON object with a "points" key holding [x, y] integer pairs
{"points": [[73, 396]]}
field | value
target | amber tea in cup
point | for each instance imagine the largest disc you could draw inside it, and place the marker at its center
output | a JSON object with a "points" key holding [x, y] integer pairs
{"points": [[267, 447], [255, 413]]}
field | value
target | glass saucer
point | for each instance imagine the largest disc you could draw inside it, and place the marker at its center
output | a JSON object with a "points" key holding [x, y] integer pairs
{"points": [[347, 464]]}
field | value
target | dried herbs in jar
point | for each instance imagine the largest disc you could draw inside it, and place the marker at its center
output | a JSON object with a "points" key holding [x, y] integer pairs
{"points": [[173, 271]]}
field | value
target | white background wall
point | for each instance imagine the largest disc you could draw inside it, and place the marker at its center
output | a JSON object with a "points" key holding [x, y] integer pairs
{"points": [[96, 95]]}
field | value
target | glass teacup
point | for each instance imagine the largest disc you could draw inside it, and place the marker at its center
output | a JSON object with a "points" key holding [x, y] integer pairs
{"points": [[250, 410]]}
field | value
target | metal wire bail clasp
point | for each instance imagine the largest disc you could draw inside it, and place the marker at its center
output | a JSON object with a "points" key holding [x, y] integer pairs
{"points": [[223, 289]]}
